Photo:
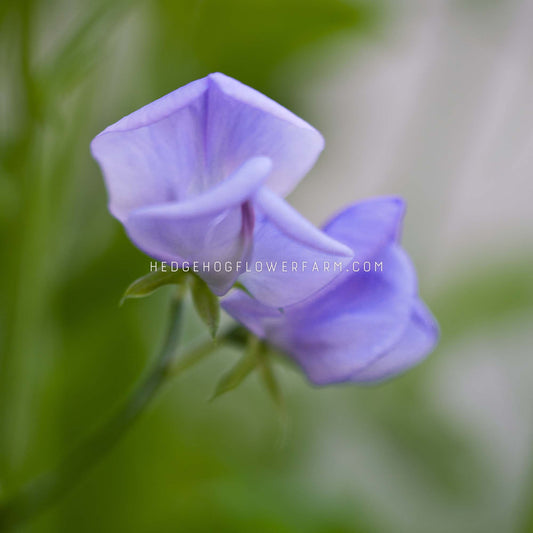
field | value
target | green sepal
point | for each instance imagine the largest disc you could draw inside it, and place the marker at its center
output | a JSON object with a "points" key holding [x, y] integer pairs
{"points": [[146, 285], [240, 371], [206, 304], [265, 357], [193, 357], [239, 286], [268, 377]]}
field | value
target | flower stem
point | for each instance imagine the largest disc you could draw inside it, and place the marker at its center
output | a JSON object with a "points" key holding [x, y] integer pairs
{"points": [[45, 490]]}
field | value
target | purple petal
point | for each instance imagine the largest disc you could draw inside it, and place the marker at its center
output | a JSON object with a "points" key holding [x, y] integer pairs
{"points": [[243, 123], [283, 234], [191, 139], [154, 155], [215, 226], [241, 186], [287, 246], [162, 108], [295, 226], [418, 340], [342, 331], [259, 318], [368, 226]]}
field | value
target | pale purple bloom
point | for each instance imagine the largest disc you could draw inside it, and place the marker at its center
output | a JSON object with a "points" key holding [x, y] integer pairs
{"points": [[364, 326], [194, 175]]}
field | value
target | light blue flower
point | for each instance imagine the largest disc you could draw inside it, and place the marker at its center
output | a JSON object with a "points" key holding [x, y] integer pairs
{"points": [[198, 175], [363, 326]]}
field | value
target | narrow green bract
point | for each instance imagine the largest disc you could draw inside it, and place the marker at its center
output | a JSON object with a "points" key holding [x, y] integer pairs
{"points": [[146, 285], [206, 304]]}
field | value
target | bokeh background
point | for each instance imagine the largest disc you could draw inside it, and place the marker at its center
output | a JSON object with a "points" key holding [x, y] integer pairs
{"points": [[429, 99]]}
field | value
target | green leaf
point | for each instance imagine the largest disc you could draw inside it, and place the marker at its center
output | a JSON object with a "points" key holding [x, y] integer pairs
{"points": [[206, 304], [147, 284], [238, 373]]}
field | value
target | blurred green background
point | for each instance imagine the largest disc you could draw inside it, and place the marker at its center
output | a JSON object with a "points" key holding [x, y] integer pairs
{"points": [[430, 100]]}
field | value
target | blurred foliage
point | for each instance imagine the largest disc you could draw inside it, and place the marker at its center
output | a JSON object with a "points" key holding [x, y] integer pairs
{"points": [[249, 40], [68, 354], [493, 294]]}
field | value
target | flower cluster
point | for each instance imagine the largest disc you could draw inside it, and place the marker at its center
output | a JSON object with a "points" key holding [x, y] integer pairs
{"points": [[199, 176]]}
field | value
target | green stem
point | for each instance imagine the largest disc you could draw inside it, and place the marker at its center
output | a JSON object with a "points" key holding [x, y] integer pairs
{"points": [[48, 488]]}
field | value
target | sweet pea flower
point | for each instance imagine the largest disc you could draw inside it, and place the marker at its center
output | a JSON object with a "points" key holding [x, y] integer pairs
{"points": [[362, 327], [198, 175]]}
